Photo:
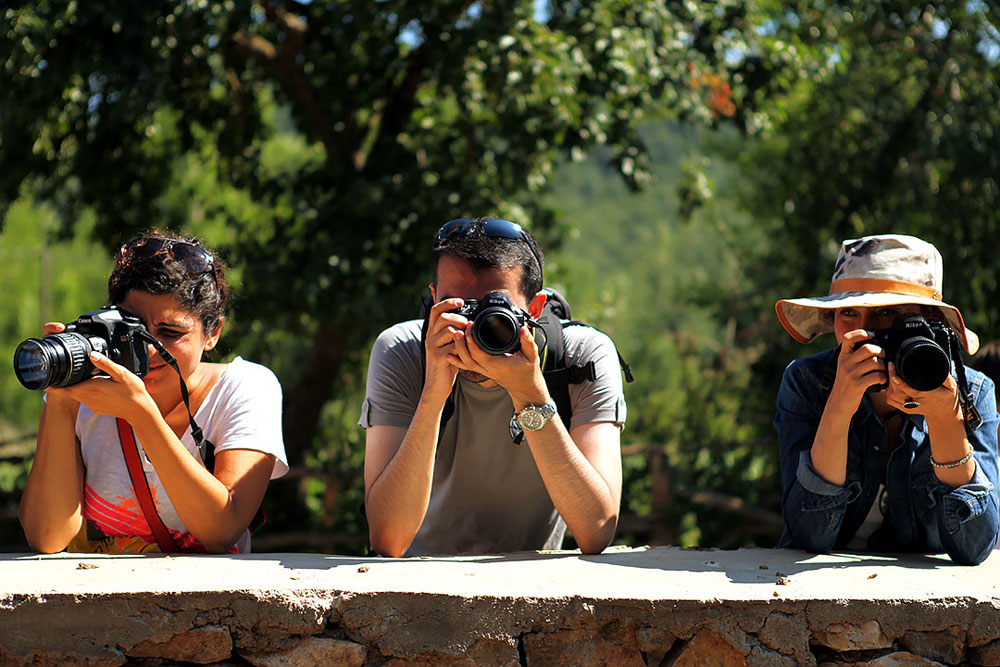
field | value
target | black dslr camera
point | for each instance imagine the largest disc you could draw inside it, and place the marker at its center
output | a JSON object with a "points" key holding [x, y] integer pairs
{"points": [[496, 322], [920, 349], [63, 359]]}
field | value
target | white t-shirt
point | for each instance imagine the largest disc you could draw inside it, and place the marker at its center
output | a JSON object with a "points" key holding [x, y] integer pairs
{"points": [[242, 411]]}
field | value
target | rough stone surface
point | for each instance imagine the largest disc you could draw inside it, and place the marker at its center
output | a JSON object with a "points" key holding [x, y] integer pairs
{"points": [[662, 606], [987, 655], [612, 645], [900, 659], [202, 645], [858, 636], [709, 649], [312, 651], [788, 633], [947, 646]]}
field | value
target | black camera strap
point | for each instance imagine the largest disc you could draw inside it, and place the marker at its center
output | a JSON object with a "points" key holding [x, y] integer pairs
{"points": [[972, 416], [205, 448]]}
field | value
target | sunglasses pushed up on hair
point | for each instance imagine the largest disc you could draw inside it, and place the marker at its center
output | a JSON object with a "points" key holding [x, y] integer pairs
{"points": [[192, 257], [496, 228]]}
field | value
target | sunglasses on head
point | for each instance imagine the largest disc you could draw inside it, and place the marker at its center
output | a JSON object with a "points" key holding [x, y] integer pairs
{"points": [[495, 228], [192, 257]]}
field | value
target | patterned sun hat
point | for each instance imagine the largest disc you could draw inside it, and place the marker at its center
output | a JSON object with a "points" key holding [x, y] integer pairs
{"points": [[883, 270]]}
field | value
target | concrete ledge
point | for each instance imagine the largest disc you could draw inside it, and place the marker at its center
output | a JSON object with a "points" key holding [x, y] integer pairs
{"points": [[657, 606]]}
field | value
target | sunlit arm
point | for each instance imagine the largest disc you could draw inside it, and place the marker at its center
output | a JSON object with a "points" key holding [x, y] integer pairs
{"points": [[582, 474], [399, 469], [216, 509], [51, 507]]}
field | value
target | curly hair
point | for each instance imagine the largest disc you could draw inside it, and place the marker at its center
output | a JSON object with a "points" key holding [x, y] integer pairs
{"points": [[205, 294]]}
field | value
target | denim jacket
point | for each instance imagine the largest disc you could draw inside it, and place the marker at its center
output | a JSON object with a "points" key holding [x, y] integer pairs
{"points": [[923, 514]]}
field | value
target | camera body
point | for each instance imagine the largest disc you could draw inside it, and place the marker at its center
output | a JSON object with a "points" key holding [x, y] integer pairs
{"points": [[496, 322], [63, 359], [919, 348]]}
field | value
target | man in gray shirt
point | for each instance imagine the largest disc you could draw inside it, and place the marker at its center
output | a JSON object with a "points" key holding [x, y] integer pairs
{"points": [[467, 487]]}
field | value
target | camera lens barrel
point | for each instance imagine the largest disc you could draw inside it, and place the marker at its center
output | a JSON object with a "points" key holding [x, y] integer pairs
{"points": [[57, 360], [922, 363], [497, 331]]}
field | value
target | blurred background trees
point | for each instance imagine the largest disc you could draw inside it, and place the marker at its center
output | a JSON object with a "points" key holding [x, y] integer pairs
{"points": [[684, 164]]}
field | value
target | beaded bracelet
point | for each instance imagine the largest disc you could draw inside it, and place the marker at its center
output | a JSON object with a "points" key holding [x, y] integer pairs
{"points": [[956, 464]]}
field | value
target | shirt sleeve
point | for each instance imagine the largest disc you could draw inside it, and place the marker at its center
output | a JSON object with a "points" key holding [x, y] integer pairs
{"points": [[249, 416], [602, 400], [968, 515], [395, 377], [812, 507]]}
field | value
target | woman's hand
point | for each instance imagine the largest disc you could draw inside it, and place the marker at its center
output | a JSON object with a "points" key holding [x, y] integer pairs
{"points": [[945, 425], [857, 370], [121, 394], [939, 404]]}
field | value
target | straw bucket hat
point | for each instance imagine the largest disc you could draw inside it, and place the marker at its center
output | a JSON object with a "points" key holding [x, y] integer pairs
{"points": [[884, 270]]}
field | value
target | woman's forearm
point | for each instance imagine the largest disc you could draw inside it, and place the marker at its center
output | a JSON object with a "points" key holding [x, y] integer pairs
{"points": [[51, 506], [207, 506], [829, 449]]}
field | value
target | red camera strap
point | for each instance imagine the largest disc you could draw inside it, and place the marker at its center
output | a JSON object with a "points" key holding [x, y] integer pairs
{"points": [[141, 488]]}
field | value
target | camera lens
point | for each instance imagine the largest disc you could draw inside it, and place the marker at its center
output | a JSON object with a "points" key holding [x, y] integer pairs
{"points": [[922, 363], [496, 331], [58, 360]]}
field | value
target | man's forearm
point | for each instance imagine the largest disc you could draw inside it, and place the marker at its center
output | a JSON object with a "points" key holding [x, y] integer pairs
{"points": [[584, 498], [397, 500]]}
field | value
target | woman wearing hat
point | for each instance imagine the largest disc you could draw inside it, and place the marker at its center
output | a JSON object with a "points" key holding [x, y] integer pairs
{"points": [[867, 460]]}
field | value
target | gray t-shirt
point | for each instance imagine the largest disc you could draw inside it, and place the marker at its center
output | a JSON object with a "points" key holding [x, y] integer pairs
{"points": [[487, 495]]}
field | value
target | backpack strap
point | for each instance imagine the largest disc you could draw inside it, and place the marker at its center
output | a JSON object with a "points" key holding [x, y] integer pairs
{"points": [[140, 486], [557, 376]]}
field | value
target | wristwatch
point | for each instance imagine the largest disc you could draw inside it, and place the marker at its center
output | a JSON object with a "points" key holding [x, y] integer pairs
{"points": [[533, 417]]}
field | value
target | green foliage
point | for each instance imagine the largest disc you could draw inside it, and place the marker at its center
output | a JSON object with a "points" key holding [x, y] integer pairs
{"points": [[898, 135], [320, 144], [653, 277], [42, 282], [340, 135]]}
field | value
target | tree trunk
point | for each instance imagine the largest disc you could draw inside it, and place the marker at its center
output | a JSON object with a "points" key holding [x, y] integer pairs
{"points": [[304, 403]]}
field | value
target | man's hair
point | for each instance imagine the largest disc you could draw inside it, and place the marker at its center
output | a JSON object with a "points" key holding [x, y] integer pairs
{"points": [[483, 252], [204, 295]]}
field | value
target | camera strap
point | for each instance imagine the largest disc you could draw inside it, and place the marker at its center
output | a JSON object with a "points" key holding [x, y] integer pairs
{"points": [[972, 417], [205, 448], [140, 486]]}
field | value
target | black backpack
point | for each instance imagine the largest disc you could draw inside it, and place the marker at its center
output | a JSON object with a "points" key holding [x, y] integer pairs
{"points": [[556, 316]]}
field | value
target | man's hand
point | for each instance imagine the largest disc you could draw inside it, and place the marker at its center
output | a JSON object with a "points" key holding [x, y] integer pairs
{"points": [[857, 370], [517, 372], [441, 368]]}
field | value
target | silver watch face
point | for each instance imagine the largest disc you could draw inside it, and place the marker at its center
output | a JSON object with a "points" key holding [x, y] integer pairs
{"points": [[531, 420], [534, 417]]}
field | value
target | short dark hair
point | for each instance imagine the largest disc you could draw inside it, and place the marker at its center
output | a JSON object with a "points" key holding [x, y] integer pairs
{"points": [[483, 252], [204, 294]]}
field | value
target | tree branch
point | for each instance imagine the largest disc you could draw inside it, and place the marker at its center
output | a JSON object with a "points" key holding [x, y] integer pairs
{"points": [[282, 61], [400, 102]]}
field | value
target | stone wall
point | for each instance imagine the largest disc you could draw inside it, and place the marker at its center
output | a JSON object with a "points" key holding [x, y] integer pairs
{"points": [[662, 606]]}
